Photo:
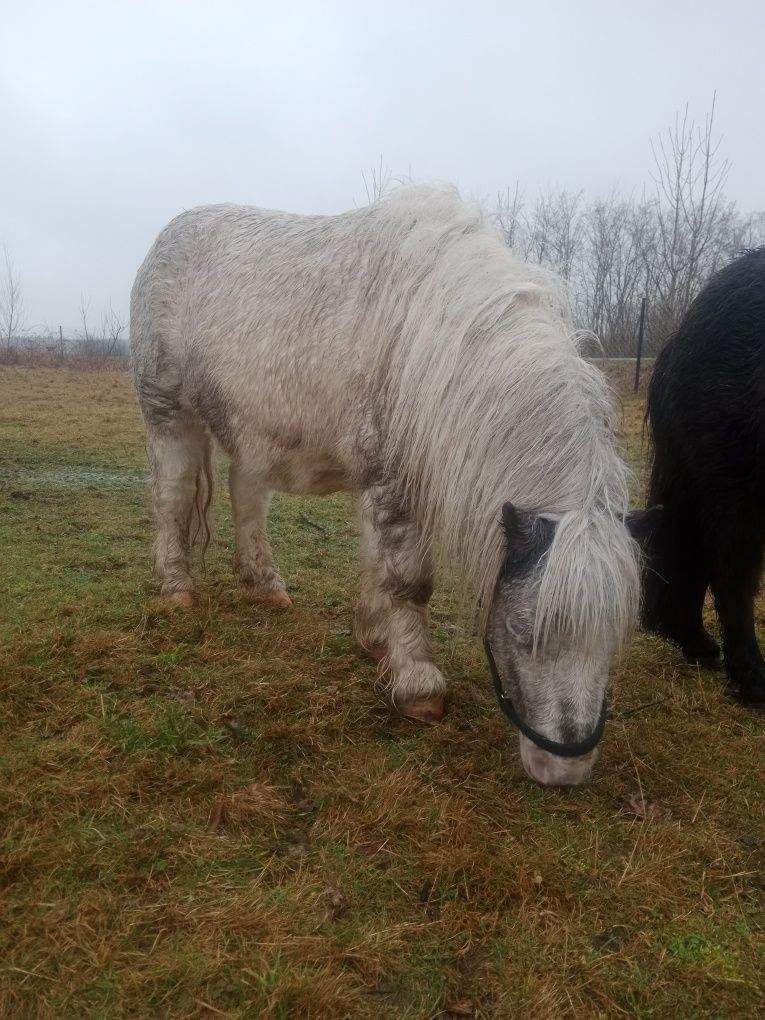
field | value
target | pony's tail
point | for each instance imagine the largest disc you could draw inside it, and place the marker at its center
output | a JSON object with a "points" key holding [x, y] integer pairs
{"points": [[203, 500]]}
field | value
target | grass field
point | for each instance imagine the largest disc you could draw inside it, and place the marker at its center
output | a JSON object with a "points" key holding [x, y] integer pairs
{"points": [[215, 814]]}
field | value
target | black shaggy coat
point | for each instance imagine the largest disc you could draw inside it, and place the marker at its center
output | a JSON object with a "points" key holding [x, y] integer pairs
{"points": [[706, 413]]}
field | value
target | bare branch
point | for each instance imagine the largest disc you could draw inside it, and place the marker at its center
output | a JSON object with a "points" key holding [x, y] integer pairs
{"points": [[11, 302], [693, 218]]}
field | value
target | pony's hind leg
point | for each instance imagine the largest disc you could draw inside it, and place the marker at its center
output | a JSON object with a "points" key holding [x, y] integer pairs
{"points": [[738, 560], [253, 559], [392, 618], [180, 452]]}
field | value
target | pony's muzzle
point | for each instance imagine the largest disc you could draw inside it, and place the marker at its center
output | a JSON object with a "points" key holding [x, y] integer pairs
{"points": [[552, 770]]}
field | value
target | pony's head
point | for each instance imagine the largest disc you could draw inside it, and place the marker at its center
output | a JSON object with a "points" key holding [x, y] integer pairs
{"points": [[564, 603]]}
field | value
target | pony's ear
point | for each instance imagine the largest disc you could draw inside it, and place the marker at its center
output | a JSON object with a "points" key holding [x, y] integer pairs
{"points": [[518, 525], [528, 536], [641, 523]]}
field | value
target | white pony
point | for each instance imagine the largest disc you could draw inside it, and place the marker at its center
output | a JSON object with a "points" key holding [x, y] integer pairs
{"points": [[403, 353]]}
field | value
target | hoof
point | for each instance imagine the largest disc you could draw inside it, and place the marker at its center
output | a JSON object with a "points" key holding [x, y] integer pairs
{"points": [[277, 599], [752, 697], [713, 662], [746, 678], [428, 709], [181, 598]]}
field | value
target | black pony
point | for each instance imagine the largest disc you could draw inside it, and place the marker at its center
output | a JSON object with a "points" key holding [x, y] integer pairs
{"points": [[706, 412]]}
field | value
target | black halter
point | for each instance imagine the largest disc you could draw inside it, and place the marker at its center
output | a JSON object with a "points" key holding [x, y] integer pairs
{"points": [[561, 750]]}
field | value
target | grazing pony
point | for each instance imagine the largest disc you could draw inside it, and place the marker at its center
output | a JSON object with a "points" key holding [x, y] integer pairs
{"points": [[706, 412], [403, 353]]}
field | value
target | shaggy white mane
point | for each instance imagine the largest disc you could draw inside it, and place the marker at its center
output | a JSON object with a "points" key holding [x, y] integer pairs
{"points": [[487, 399]]}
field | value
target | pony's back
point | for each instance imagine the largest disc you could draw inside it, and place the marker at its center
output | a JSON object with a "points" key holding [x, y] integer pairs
{"points": [[706, 397]]}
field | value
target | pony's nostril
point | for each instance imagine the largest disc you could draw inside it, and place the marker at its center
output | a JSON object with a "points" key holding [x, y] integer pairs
{"points": [[551, 770]]}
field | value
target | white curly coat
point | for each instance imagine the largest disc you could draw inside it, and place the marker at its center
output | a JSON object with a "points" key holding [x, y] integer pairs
{"points": [[402, 352]]}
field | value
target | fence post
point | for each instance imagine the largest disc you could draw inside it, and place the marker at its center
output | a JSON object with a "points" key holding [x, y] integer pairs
{"points": [[639, 344], [61, 343]]}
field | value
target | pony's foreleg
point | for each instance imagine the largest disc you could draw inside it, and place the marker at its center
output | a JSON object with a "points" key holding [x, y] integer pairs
{"points": [[737, 567], [372, 621], [179, 457], [392, 619], [253, 559], [676, 579]]}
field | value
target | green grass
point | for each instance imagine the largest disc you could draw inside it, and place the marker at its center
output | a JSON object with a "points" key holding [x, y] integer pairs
{"points": [[216, 813]]}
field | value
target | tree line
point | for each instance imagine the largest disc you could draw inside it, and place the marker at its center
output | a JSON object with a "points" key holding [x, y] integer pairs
{"points": [[101, 338], [614, 251]]}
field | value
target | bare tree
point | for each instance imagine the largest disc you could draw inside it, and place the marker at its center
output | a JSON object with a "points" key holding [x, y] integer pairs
{"points": [[11, 301], [751, 231], [567, 231], [112, 328], [614, 268], [693, 218], [553, 232], [508, 213], [103, 342], [86, 334], [538, 232]]}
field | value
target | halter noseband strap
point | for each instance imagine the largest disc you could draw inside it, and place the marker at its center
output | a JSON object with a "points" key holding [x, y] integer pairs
{"points": [[561, 750]]}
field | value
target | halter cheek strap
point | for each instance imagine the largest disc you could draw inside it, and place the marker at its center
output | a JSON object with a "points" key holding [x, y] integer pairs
{"points": [[572, 750]]}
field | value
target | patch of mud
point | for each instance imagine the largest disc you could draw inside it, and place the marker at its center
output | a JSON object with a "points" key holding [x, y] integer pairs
{"points": [[69, 476]]}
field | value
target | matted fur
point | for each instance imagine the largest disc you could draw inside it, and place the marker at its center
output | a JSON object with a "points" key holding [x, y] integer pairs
{"points": [[403, 341]]}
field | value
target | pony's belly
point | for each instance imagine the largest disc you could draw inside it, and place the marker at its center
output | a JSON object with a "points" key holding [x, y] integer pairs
{"points": [[307, 472]]}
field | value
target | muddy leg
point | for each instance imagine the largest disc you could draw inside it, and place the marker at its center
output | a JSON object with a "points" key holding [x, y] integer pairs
{"points": [[253, 559], [392, 618], [372, 618], [179, 453]]}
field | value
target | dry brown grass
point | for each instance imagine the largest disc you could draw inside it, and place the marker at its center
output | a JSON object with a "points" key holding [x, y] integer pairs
{"points": [[215, 813]]}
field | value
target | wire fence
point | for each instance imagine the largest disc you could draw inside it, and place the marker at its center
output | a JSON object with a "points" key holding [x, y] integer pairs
{"points": [[53, 349]]}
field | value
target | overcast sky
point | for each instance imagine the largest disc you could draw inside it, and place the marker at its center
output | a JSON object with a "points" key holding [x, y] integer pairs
{"points": [[116, 116]]}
